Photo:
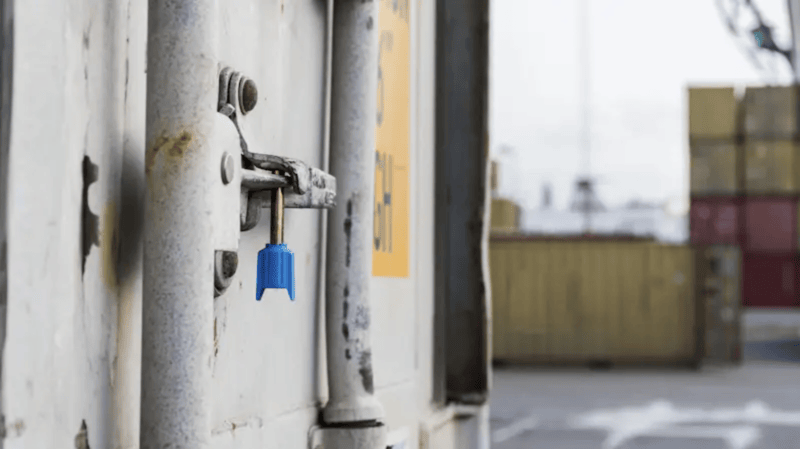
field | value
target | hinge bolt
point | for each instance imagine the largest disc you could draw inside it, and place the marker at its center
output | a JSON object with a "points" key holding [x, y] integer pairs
{"points": [[248, 96], [227, 168]]}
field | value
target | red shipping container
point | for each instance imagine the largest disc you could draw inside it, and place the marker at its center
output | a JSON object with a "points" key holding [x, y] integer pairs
{"points": [[715, 220], [770, 224], [769, 281]]}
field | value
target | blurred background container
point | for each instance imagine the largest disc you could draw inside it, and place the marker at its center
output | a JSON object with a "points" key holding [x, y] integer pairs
{"points": [[599, 299]]}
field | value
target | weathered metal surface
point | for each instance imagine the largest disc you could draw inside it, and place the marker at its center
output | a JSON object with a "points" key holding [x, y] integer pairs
{"points": [[712, 113], [581, 302], [66, 356], [316, 190], [182, 177], [461, 197], [351, 383]]}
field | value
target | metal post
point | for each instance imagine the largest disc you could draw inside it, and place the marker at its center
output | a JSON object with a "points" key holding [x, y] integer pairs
{"points": [[6, 62], [794, 21], [349, 253], [178, 290]]}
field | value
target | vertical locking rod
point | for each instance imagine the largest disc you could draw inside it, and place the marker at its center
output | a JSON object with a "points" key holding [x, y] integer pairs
{"points": [[182, 175]]}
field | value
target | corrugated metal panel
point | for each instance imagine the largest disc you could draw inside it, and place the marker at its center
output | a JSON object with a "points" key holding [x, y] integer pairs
{"points": [[770, 224], [771, 167], [712, 113], [769, 280], [715, 220], [573, 301], [715, 168], [770, 112]]}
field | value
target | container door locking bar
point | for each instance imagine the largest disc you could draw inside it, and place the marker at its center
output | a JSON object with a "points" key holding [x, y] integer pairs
{"points": [[268, 180]]}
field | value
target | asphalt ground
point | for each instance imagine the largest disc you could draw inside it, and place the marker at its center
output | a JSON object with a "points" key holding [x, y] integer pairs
{"points": [[754, 405]]}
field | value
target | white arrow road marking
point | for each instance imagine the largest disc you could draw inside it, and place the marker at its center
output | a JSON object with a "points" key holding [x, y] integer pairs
{"points": [[515, 429], [661, 418], [736, 436]]}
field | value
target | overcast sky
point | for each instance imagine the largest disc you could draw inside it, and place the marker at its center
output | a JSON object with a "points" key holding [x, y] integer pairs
{"points": [[643, 55]]}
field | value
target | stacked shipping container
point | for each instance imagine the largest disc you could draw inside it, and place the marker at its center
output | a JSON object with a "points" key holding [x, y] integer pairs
{"points": [[744, 185], [716, 218], [770, 203]]}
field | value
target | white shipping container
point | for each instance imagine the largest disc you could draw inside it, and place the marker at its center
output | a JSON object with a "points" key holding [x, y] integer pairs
{"points": [[83, 173]]}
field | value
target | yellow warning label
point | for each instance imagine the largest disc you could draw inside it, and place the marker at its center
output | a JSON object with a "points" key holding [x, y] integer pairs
{"points": [[390, 230]]}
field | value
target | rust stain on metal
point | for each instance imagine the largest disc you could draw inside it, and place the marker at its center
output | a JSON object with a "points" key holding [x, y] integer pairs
{"points": [[365, 370], [110, 245], [173, 146], [15, 429]]}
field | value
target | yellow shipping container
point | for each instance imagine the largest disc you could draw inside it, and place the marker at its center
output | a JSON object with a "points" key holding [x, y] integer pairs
{"points": [[505, 216], [712, 113], [584, 301], [715, 168], [770, 112], [771, 167]]}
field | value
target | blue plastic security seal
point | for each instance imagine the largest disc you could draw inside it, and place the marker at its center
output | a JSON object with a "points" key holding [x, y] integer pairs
{"points": [[275, 269]]}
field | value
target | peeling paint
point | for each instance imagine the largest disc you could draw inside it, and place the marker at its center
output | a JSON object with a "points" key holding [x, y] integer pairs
{"points": [[82, 438], [231, 425], [346, 332], [365, 370], [348, 226], [90, 226], [361, 319], [347, 354]]}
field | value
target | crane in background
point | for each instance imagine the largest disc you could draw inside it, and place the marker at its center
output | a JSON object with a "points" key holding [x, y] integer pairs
{"points": [[762, 34], [585, 199], [794, 22]]}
